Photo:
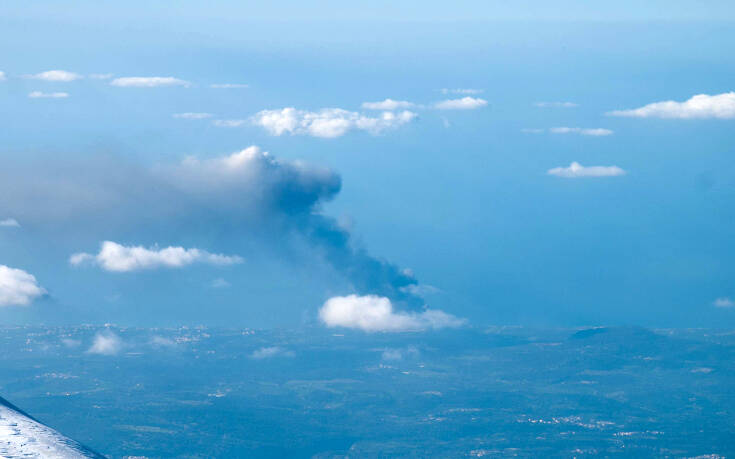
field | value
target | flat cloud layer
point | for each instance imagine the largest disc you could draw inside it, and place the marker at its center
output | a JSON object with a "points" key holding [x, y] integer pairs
{"points": [[596, 132], [373, 313], [328, 122], [56, 75], [387, 104], [10, 223], [701, 106], [465, 103], [576, 170], [147, 82], [17, 287], [47, 95], [119, 258]]}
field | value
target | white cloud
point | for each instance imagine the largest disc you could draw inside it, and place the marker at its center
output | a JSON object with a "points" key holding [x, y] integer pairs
{"points": [[701, 106], [229, 123], [576, 170], [387, 104], [220, 283], [462, 91], [532, 131], [48, 95], [268, 352], [17, 287], [228, 86], [106, 343], [56, 75], [328, 122], [119, 258], [400, 354], [101, 76], [556, 104], [9, 223], [374, 313], [148, 82], [596, 132], [724, 302], [465, 103], [162, 342], [192, 116], [2, 76]]}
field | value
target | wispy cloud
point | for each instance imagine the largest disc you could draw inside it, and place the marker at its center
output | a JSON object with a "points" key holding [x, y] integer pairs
{"points": [[2, 76], [17, 287], [465, 103], [229, 86], [101, 76], [556, 104], [48, 95], [373, 313], [387, 104], [148, 82], [106, 343], [270, 352], [576, 170], [328, 122], [595, 132], [724, 302], [229, 123], [56, 75], [119, 258], [701, 106], [220, 283], [461, 91], [9, 222], [192, 116]]}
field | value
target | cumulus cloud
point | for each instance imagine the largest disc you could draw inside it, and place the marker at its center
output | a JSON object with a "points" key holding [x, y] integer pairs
{"points": [[228, 86], [229, 123], [724, 302], [556, 104], [387, 104], [258, 197], [701, 106], [465, 103], [192, 116], [461, 91], [9, 223], [56, 75], [119, 258], [269, 352], [374, 313], [148, 82], [17, 287], [328, 122], [595, 132], [106, 343], [576, 170], [48, 95]]}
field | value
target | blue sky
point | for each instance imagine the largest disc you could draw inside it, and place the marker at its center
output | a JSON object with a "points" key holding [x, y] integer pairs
{"points": [[468, 209]]}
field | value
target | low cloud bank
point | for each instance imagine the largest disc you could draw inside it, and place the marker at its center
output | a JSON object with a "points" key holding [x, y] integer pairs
{"points": [[701, 106], [372, 313]]}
